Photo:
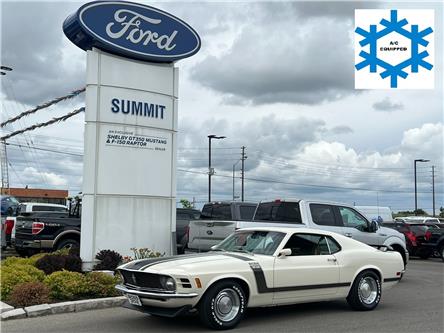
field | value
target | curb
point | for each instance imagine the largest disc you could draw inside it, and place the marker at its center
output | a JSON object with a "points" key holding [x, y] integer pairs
{"points": [[64, 307]]}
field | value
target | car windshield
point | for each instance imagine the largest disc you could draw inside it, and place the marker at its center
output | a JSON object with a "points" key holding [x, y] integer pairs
{"points": [[252, 241]]}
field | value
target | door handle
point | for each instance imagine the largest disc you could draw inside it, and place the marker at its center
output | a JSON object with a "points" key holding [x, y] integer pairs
{"points": [[348, 234], [332, 259]]}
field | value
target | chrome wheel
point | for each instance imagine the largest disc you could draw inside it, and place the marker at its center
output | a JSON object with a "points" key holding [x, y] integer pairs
{"points": [[226, 305], [368, 290]]}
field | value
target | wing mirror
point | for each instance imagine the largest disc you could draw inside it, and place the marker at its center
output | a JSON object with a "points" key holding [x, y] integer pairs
{"points": [[373, 226], [284, 253], [214, 247]]}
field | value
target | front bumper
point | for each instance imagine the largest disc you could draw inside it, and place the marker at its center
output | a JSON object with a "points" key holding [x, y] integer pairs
{"points": [[154, 295], [163, 312]]}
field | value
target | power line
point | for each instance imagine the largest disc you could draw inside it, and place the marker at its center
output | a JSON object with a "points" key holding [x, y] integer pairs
{"points": [[43, 106]]}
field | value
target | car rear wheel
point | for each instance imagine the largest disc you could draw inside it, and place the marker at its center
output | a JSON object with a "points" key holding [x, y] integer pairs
{"points": [[365, 292], [223, 305]]}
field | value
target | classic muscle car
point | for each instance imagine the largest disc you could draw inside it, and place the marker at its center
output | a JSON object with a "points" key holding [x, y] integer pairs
{"points": [[259, 267]]}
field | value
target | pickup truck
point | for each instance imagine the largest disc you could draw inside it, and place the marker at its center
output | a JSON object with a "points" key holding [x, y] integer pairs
{"points": [[336, 217], [216, 222], [46, 231]]}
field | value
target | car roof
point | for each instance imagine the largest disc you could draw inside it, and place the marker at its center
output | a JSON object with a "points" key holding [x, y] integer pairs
{"points": [[291, 230]]}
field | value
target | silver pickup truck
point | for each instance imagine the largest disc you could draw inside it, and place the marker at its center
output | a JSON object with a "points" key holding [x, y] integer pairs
{"points": [[336, 217], [216, 219]]}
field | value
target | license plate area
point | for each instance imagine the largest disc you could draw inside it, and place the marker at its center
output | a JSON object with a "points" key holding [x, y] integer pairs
{"points": [[134, 299]]}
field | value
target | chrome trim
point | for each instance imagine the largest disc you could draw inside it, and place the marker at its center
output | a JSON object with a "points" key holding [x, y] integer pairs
{"points": [[77, 233], [145, 294]]}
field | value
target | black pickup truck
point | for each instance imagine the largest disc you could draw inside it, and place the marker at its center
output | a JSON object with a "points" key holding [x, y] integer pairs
{"points": [[47, 231], [435, 242]]}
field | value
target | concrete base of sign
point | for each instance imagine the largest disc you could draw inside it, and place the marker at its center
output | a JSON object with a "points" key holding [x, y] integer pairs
{"points": [[129, 184]]}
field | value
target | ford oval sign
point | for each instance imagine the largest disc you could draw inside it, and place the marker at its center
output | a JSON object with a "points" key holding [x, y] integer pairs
{"points": [[131, 30]]}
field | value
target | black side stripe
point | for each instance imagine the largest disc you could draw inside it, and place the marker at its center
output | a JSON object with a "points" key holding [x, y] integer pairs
{"points": [[237, 256], [262, 284], [392, 279], [153, 261]]}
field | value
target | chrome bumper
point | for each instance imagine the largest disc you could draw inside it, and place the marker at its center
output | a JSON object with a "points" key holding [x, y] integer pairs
{"points": [[146, 294]]}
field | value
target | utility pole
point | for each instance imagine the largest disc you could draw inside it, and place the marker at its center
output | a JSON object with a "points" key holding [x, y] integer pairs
{"points": [[433, 189], [210, 169], [243, 158], [416, 186], [4, 165]]}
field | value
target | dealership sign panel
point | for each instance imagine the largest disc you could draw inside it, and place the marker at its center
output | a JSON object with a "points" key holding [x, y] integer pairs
{"points": [[129, 178]]}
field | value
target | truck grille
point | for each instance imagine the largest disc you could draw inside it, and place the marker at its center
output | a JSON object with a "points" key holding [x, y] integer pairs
{"points": [[141, 280]]}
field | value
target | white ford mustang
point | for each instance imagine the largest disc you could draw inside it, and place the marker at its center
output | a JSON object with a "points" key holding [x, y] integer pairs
{"points": [[261, 267]]}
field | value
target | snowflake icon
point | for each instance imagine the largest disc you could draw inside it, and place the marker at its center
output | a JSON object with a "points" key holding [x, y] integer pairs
{"points": [[392, 28]]}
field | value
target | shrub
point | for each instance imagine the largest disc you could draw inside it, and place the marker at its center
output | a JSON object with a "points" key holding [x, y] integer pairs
{"points": [[73, 263], [56, 262], [101, 284], [51, 263], [13, 275], [15, 261], [109, 260], [29, 293], [33, 259], [65, 285]]}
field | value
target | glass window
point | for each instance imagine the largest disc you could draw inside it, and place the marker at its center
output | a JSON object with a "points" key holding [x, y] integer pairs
{"points": [[247, 212], [279, 212], [351, 218], [258, 242], [36, 208], [307, 245], [322, 214], [334, 246], [216, 212]]}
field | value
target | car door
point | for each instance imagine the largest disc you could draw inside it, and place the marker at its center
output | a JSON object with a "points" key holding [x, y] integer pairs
{"points": [[356, 226], [310, 271]]}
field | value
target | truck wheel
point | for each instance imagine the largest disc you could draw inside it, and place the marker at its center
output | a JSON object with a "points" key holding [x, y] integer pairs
{"points": [[223, 305], [68, 244], [365, 292]]}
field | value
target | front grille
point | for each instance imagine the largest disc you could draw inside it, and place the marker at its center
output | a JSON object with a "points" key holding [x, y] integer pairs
{"points": [[141, 279]]}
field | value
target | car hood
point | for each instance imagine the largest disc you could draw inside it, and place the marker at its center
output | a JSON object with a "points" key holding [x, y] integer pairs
{"points": [[391, 232], [190, 262]]}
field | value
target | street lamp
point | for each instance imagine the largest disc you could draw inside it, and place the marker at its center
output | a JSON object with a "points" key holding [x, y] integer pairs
{"points": [[416, 191], [210, 170]]}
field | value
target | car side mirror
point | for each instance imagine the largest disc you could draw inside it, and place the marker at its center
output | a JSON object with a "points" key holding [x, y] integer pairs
{"points": [[214, 247], [284, 253], [373, 226]]}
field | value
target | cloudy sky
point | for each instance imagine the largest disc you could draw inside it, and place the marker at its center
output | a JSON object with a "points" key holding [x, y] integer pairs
{"points": [[276, 77]]}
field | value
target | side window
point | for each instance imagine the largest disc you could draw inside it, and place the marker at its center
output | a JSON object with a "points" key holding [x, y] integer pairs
{"points": [[307, 245], [247, 212], [322, 214], [351, 218], [333, 245]]}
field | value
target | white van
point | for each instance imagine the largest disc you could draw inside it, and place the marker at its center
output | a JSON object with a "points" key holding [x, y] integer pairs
{"points": [[377, 213]]}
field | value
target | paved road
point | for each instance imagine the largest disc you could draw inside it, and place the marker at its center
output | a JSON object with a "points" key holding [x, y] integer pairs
{"points": [[415, 305]]}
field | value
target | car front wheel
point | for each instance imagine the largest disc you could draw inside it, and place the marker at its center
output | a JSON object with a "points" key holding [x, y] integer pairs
{"points": [[441, 252], [223, 305], [365, 292]]}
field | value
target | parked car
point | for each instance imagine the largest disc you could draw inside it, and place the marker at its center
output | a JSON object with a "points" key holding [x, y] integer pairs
{"points": [[418, 219], [214, 220], [9, 205], [47, 231], [416, 234], [330, 216], [260, 267], [435, 242], [183, 218]]}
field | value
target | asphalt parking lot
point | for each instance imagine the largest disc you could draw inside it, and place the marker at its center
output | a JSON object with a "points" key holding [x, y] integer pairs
{"points": [[415, 305]]}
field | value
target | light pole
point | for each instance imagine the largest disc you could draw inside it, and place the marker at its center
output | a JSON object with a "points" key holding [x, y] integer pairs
{"points": [[416, 190], [210, 170], [234, 165]]}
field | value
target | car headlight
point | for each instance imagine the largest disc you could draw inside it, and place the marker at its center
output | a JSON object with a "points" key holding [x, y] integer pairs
{"points": [[168, 283]]}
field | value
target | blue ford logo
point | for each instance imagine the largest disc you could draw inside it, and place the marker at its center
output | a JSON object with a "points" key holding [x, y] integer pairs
{"points": [[131, 30]]}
